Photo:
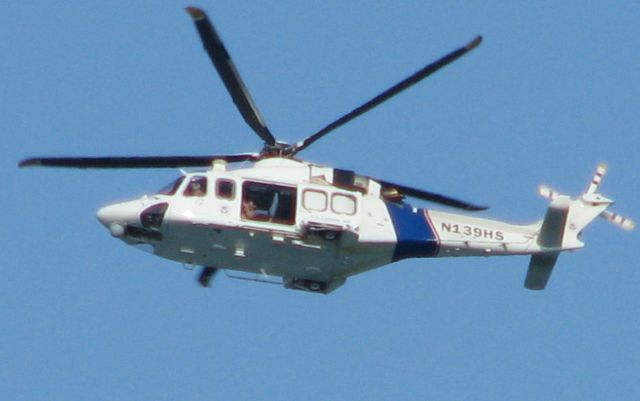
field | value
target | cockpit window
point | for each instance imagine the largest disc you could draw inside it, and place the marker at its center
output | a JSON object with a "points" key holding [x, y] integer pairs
{"points": [[171, 188], [224, 189], [197, 186]]}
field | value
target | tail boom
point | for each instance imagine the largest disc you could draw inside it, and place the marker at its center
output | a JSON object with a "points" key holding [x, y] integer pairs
{"points": [[560, 230]]}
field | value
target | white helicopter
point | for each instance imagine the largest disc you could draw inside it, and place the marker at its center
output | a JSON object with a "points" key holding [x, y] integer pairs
{"points": [[313, 226]]}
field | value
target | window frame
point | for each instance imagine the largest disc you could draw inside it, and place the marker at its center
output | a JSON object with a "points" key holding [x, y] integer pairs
{"points": [[290, 221], [326, 200], [348, 196]]}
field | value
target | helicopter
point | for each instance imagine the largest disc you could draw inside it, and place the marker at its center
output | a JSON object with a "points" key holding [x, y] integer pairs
{"points": [[272, 217]]}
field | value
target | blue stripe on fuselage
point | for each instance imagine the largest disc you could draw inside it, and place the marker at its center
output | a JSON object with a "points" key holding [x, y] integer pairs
{"points": [[415, 236]]}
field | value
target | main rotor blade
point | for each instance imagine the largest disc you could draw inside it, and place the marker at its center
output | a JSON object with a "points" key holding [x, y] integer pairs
{"points": [[394, 90], [134, 161], [229, 74], [430, 196]]}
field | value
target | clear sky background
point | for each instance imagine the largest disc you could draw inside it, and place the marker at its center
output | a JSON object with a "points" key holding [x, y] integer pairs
{"points": [[552, 91]]}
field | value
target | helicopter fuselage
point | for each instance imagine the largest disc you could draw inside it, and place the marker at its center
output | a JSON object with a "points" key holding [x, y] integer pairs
{"points": [[303, 222]]}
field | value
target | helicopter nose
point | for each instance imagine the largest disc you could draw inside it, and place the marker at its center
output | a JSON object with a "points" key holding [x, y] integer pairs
{"points": [[115, 217]]}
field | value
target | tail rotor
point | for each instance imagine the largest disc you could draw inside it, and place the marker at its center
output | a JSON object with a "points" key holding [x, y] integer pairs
{"points": [[593, 200], [593, 196]]}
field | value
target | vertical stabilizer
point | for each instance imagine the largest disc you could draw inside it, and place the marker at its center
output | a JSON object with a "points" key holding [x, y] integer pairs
{"points": [[554, 224], [550, 239], [540, 269]]}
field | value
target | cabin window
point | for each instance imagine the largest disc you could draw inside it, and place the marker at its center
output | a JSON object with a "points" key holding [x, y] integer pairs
{"points": [[314, 200], [343, 204], [225, 189], [171, 188], [267, 202], [197, 186]]}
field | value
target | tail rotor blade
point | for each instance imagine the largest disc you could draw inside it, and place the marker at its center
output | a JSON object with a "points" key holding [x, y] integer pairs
{"points": [[601, 170], [547, 192], [622, 222]]}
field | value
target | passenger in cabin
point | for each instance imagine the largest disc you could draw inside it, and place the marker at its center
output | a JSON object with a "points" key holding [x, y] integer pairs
{"points": [[268, 203], [248, 209]]}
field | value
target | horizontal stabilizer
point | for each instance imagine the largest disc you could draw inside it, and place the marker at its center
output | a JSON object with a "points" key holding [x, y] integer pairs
{"points": [[540, 269]]}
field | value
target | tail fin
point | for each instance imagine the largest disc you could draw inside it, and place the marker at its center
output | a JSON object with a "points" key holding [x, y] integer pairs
{"points": [[563, 224], [550, 240], [540, 269]]}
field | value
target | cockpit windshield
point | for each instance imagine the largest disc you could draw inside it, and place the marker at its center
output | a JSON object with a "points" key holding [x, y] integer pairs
{"points": [[197, 186], [171, 188]]}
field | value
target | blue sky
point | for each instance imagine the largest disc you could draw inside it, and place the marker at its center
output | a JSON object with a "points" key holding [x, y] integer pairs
{"points": [[551, 92]]}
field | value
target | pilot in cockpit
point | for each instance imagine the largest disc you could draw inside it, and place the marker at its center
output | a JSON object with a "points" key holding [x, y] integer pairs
{"points": [[197, 187]]}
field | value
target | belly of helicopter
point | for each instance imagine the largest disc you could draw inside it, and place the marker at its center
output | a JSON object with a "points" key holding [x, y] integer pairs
{"points": [[271, 252]]}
